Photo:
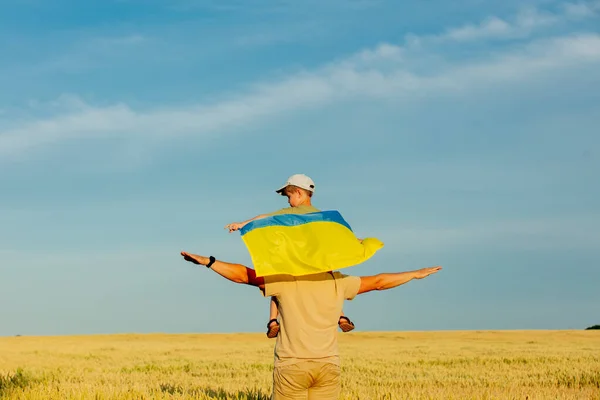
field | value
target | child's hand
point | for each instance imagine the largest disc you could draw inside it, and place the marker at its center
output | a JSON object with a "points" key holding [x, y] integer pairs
{"points": [[234, 226]]}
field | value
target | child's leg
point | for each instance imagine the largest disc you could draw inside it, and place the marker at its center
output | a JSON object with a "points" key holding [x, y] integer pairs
{"points": [[273, 311], [273, 325], [344, 322]]}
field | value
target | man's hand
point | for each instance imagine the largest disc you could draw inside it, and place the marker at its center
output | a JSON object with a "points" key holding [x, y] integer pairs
{"points": [[425, 272], [195, 258], [234, 226], [234, 272]]}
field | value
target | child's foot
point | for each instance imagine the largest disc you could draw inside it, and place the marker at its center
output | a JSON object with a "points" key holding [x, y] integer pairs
{"points": [[345, 324], [272, 328]]}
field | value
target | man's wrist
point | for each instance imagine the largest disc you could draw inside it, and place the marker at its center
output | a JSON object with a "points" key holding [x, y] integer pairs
{"points": [[211, 261]]}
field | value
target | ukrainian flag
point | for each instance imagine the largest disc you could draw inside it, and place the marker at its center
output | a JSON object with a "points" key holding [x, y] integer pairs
{"points": [[302, 244]]}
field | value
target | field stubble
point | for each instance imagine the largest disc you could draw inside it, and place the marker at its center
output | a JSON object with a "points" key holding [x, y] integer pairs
{"points": [[390, 365]]}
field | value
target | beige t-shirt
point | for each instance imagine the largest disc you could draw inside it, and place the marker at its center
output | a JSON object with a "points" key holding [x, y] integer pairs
{"points": [[309, 310], [295, 210]]}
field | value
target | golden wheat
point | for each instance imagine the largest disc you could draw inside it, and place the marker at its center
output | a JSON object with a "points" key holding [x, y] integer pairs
{"points": [[407, 365]]}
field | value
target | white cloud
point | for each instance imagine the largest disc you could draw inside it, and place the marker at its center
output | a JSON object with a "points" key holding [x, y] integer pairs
{"points": [[582, 9], [540, 56], [491, 27], [386, 70], [531, 18], [525, 22], [384, 51]]}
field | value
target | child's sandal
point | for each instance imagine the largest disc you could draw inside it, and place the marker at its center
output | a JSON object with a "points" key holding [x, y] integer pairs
{"points": [[272, 331], [346, 325]]}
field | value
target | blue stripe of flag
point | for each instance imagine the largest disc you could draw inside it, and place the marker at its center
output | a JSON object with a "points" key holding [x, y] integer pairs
{"points": [[295, 220]]}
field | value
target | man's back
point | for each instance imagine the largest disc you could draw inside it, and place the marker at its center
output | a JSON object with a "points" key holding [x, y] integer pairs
{"points": [[309, 308]]}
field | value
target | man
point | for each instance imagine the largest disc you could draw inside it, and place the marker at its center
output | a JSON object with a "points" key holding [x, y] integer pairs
{"points": [[307, 363]]}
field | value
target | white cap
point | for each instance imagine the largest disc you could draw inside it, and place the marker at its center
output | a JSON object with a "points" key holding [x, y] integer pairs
{"points": [[300, 180]]}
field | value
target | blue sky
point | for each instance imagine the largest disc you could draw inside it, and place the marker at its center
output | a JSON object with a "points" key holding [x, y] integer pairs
{"points": [[464, 135]]}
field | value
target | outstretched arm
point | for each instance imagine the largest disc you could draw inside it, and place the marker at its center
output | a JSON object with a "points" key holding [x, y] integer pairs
{"points": [[234, 226], [237, 273], [392, 280]]}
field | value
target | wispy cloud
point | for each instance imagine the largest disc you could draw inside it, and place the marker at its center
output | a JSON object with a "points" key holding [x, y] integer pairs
{"points": [[523, 24], [495, 27], [582, 9], [387, 70]]}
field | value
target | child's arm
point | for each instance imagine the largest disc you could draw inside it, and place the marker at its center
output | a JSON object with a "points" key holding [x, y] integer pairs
{"points": [[234, 226]]}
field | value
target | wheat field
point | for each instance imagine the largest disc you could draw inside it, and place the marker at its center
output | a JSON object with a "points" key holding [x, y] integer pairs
{"points": [[390, 365]]}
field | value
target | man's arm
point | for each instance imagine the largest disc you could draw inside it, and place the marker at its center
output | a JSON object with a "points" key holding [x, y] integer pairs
{"points": [[392, 280], [237, 273]]}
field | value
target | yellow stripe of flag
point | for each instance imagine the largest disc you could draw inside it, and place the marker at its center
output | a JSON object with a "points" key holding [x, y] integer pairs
{"points": [[302, 244]]}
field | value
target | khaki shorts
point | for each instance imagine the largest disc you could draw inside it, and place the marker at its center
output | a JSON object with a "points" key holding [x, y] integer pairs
{"points": [[306, 380]]}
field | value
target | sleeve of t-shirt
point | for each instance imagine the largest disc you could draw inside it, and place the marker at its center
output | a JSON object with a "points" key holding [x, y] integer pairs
{"points": [[275, 283], [350, 285], [287, 210]]}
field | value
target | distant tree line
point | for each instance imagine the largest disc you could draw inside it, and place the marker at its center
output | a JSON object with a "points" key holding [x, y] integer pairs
{"points": [[593, 327]]}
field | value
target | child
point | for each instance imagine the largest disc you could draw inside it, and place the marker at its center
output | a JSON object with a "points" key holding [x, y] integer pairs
{"points": [[298, 189]]}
